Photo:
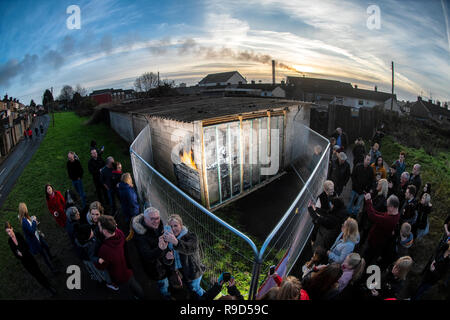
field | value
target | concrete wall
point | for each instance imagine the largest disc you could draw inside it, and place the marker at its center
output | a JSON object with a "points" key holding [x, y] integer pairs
{"points": [[122, 124], [296, 137], [166, 135]]}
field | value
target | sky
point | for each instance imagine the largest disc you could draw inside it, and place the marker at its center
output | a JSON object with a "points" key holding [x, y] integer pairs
{"points": [[346, 40]]}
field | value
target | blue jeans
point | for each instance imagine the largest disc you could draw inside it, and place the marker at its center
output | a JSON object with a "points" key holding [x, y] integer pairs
{"points": [[354, 209], [194, 286], [163, 286], [78, 185]]}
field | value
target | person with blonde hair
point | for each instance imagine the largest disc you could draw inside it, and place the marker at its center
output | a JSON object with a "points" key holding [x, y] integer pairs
{"points": [[34, 237], [95, 211], [128, 197], [186, 253], [353, 268], [405, 240], [393, 279], [345, 242], [424, 207]]}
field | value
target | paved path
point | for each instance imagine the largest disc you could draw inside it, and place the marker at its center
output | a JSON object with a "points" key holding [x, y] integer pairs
{"points": [[13, 166]]}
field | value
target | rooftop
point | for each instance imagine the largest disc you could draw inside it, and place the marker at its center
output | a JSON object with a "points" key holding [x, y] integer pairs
{"points": [[188, 109], [218, 77], [337, 88]]}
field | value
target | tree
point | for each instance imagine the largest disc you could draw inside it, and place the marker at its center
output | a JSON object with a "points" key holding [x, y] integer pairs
{"points": [[47, 99], [146, 81], [76, 100], [66, 95], [81, 90]]}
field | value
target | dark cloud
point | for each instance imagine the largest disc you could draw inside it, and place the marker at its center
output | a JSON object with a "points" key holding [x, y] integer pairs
{"points": [[13, 68], [54, 59], [186, 46], [161, 46]]}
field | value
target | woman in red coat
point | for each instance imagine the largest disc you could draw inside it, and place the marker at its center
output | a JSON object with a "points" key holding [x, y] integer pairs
{"points": [[56, 204]]}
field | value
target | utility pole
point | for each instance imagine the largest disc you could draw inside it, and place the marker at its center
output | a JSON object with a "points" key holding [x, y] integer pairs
{"points": [[53, 108], [392, 98]]}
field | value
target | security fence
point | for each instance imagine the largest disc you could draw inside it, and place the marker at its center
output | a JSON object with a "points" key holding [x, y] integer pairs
{"points": [[223, 247]]}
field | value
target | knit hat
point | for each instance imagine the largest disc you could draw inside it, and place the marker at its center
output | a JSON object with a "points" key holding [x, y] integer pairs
{"points": [[83, 233]]}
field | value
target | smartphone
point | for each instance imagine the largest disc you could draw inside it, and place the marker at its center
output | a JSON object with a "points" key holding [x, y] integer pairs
{"points": [[272, 270], [167, 229], [226, 276]]}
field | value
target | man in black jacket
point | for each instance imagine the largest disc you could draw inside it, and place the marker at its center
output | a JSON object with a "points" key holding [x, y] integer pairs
{"points": [[415, 177], [340, 172], [106, 176], [341, 139], [362, 180], [75, 171], [328, 223], [148, 228], [95, 164]]}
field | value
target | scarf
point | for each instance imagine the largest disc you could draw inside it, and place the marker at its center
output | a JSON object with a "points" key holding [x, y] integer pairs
{"points": [[176, 255]]}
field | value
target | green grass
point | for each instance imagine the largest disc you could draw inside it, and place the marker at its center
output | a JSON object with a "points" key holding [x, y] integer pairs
{"points": [[48, 165], [436, 170]]}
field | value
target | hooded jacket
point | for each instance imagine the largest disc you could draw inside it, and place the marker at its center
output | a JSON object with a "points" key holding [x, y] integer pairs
{"points": [[146, 240], [128, 200], [113, 252], [188, 249]]}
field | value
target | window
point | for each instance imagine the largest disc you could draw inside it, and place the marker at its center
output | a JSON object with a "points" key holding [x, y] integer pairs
{"points": [[361, 102], [355, 112]]}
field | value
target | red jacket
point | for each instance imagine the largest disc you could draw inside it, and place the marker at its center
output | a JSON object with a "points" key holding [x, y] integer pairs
{"points": [[112, 251], [57, 203], [30, 133], [303, 294], [383, 226]]}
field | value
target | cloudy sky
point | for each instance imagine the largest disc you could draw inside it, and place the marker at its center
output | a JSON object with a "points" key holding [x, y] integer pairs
{"points": [[184, 41]]}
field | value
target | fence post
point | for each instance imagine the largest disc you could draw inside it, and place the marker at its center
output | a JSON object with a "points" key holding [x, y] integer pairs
{"points": [[255, 278]]}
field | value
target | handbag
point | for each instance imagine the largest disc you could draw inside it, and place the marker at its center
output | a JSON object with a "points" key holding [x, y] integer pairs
{"points": [[176, 279]]}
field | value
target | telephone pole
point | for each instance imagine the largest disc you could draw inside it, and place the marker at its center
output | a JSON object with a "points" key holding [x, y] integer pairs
{"points": [[392, 97], [53, 108]]}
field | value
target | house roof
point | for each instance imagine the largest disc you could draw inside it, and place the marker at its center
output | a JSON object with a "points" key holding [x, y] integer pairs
{"points": [[435, 109], [190, 108], [336, 88], [218, 77]]}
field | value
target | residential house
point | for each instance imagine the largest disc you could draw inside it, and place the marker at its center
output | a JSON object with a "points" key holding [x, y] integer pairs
{"points": [[324, 92], [222, 79], [422, 109]]}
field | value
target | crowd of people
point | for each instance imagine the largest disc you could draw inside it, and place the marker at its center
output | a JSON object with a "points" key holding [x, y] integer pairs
{"points": [[28, 133], [388, 213]]}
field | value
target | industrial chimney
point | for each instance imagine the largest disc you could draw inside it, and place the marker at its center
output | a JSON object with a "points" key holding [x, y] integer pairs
{"points": [[273, 71]]}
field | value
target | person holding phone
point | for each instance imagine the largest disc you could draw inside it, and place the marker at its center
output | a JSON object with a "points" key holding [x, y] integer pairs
{"points": [[186, 254], [147, 231]]}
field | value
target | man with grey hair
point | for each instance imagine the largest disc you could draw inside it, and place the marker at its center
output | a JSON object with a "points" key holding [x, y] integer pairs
{"points": [[340, 172], [415, 177], [382, 229], [106, 175], [404, 183], [148, 230]]}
